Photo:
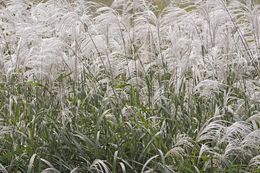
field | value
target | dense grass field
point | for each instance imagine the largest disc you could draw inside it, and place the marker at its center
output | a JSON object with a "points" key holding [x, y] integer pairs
{"points": [[130, 86]]}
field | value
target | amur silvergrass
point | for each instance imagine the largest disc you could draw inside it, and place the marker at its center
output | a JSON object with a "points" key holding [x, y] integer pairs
{"points": [[129, 86]]}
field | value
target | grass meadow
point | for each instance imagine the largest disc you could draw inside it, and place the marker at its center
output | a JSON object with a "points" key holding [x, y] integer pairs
{"points": [[130, 86]]}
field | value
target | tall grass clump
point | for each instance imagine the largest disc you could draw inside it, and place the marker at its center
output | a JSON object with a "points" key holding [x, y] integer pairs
{"points": [[129, 86]]}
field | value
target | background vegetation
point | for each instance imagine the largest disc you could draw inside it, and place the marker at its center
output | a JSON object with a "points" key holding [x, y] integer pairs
{"points": [[131, 86]]}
